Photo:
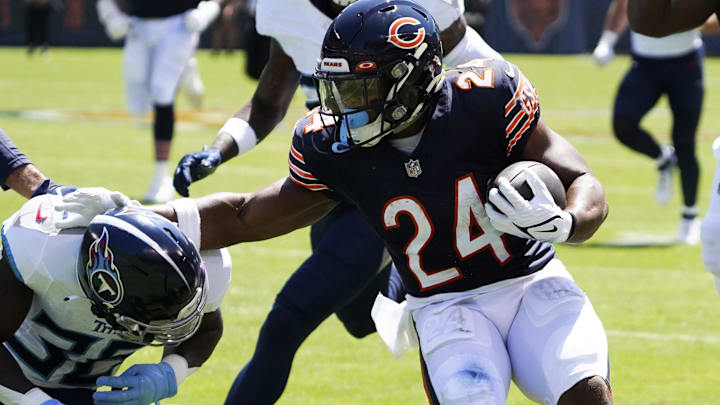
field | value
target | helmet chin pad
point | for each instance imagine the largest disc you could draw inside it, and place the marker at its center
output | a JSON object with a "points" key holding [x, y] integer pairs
{"points": [[344, 3]]}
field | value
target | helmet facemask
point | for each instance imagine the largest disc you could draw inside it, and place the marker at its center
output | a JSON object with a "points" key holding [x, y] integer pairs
{"points": [[364, 107]]}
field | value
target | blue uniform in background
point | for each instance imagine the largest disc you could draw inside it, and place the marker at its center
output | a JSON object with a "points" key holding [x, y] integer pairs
{"points": [[671, 66]]}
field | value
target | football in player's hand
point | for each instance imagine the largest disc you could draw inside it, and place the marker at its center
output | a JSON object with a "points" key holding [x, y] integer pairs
{"points": [[515, 173]]}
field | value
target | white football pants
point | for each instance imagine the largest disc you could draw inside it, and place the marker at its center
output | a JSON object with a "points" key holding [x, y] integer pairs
{"points": [[541, 330], [156, 53]]}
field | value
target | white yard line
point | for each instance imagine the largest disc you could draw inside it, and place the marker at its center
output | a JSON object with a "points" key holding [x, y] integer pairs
{"points": [[662, 336]]}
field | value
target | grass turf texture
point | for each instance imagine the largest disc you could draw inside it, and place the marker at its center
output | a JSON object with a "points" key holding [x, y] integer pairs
{"points": [[657, 303]]}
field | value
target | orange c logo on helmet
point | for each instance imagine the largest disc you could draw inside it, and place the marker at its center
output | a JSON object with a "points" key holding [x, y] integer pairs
{"points": [[394, 37]]}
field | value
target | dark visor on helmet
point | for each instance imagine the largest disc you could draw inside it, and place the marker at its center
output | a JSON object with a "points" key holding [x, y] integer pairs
{"points": [[346, 93]]}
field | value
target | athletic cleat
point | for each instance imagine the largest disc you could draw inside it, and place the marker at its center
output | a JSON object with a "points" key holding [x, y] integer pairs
{"points": [[666, 164], [689, 232], [160, 192], [192, 84]]}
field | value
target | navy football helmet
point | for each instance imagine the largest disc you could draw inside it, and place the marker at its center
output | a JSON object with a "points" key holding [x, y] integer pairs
{"points": [[143, 276], [380, 66]]}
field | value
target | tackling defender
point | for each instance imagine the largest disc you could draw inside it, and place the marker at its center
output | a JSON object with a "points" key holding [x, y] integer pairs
{"points": [[413, 148], [340, 241], [83, 300], [158, 56]]}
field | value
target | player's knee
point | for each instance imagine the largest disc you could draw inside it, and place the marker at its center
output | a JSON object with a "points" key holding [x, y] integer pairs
{"points": [[161, 94], [359, 329], [589, 391], [471, 385], [624, 128], [284, 325]]}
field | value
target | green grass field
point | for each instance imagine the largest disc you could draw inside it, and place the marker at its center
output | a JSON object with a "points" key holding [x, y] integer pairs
{"points": [[658, 305]]}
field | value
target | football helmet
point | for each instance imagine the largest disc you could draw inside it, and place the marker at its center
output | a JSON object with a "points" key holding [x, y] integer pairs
{"points": [[143, 276], [380, 67]]}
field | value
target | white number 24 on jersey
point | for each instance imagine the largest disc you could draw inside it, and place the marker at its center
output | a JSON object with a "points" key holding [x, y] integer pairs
{"points": [[468, 210]]}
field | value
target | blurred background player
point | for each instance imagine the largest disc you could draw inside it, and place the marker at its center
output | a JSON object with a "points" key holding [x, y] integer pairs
{"points": [[129, 279], [340, 241], [37, 23], [19, 174], [671, 65], [162, 36]]}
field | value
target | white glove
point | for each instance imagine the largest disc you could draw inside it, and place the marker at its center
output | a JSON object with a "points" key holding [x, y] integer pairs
{"points": [[115, 21], [540, 218], [605, 50], [117, 27], [84, 204], [199, 18]]}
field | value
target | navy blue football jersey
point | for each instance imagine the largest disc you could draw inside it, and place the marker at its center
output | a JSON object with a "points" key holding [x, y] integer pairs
{"points": [[428, 206], [159, 8]]}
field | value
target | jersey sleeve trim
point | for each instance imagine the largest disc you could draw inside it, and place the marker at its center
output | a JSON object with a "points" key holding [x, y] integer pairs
{"points": [[299, 175], [7, 253], [524, 109]]}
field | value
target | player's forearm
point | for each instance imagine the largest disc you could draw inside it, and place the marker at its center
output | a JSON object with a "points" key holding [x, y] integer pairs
{"points": [[280, 208], [586, 201], [268, 106], [24, 180], [616, 19], [200, 346], [660, 18]]}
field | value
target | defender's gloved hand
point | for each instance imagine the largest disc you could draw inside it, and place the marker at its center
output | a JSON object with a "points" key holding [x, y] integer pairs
{"points": [[145, 383], [195, 166], [540, 218], [199, 18], [84, 204]]}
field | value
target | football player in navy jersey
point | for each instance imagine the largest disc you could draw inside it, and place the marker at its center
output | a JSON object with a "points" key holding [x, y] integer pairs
{"points": [[161, 39], [672, 66], [413, 148], [341, 240]]}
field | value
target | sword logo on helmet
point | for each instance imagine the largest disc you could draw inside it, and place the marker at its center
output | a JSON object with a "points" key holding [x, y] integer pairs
{"points": [[102, 272]]}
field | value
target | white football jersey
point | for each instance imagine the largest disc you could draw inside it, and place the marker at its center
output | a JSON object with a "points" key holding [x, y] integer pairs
{"points": [[61, 343], [299, 27]]}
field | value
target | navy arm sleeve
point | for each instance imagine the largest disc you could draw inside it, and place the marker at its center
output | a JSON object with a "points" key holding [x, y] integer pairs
{"points": [[10, 158]]}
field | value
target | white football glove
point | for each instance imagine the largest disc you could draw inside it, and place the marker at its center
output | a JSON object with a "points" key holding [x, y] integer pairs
{"points": [[540, 218], [117, 27], [84, 204], [115, 21], [605, 50], [199, 18]]}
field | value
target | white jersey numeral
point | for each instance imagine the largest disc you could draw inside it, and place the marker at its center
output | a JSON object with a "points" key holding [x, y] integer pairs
{"points": [[423, 233], [469, 210]]}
